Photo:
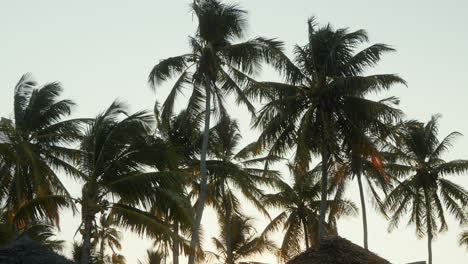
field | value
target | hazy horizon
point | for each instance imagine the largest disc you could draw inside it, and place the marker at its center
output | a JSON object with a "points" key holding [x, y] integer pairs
{"points": [[103, 50]]}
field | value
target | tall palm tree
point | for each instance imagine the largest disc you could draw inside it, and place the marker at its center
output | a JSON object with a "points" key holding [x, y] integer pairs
{"points": [[118, 149], [215, 67], [424, 192], [363, 158], [182, 134], [245, 243], [323, 98], [34, 145], [299, 203], [231, 171]]}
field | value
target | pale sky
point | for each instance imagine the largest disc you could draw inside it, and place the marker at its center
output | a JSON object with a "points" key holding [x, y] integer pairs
{"points": [[102, 50]]}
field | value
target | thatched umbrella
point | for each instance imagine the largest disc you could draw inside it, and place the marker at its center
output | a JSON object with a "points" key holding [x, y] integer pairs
{"points": [[337, 250], [26, 251]]}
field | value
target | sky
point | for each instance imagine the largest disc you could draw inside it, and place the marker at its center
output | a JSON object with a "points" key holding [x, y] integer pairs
{"points": [[103, 50]]}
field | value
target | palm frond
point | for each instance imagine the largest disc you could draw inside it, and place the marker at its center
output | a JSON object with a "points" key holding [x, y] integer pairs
{"points": [[140, 222], [167, 69], [41, 208]]}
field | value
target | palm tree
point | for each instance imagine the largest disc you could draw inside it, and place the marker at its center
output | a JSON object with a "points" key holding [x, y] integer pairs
{"points": [[33, 146], [107, 235], [215, 67], [363, 158], [244, 241], [181, 226], [231, 171], [117, 152], [182, 134], [323, 98], [300, 205], [424, 192]]}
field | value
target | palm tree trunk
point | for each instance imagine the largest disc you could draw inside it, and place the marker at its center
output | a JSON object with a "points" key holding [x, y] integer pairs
{"points": [[227, 223], [429, 226], [86, 247], [306, 233], [363, 207], [323, 201], [89, 197], [175, 245], [203, 175], [230, 257], [429, 248]]}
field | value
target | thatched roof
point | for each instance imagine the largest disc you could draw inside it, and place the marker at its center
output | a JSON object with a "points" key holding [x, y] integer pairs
{"points": [[337, 250], [26, 251]]}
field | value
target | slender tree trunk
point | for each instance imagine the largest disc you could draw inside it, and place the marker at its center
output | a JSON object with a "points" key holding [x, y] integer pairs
{"points": [[429, 226], [429, 248], [203, 175], [175, 245], [306, 233], [363, 207], [227, 223], [323, 201]]}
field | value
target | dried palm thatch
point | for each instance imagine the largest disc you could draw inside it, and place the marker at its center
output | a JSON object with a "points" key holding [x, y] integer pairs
{"points": [[26, 251], [337, 250]]}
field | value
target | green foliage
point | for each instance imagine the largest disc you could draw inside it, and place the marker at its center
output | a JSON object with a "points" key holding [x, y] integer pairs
{"points": [[40, 232], [107, 236], [34, 145], [299, 203], [119, 150], [422, 191], [145, 179], [216, 66], [153, 257], [324, 96], [216, 57], [182, 133], [244, 240], [77, 252], [117, 154], [231, 170], [324, 99]]}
